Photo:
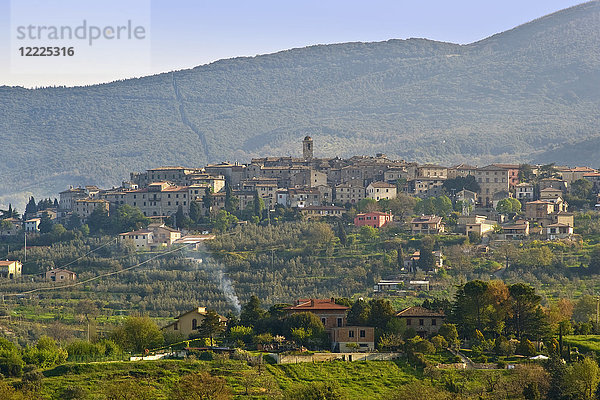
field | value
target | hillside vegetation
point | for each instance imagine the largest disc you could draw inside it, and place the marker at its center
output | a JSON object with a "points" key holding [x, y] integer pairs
{"points": [[513, 96]]}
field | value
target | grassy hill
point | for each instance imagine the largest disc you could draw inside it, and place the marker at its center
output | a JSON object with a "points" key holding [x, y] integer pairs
{"points": [[370, 379], [517, 95]]}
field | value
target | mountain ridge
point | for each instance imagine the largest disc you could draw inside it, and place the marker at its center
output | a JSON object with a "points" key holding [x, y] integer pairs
{"points": [[513, 96]]}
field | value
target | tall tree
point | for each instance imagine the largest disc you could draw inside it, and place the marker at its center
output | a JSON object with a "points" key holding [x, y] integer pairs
{"points": [[195, 211], [582, 188], [99, 221], [251, 312], [211, 325], [342, 234], [459, 183], [547, 171], [527, 319], [179, 217], [31, 207], [74, 222], [525, 173], [45, 223], [426, 258], [400, 257], [469, 305], [259, 205], [359, 313], [231, 201], [128, 218], [207, 200], [10, 213], [380, 313]]}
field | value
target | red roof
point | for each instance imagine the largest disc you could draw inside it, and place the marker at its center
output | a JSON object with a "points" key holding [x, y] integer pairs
{"points": [[316, 304], [375, 213]]}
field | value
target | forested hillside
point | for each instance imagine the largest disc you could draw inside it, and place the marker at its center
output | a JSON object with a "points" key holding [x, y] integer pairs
{"points": [[517, 95]]}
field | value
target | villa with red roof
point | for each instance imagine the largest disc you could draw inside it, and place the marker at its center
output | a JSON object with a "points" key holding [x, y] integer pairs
{"points": [[332, 315]]}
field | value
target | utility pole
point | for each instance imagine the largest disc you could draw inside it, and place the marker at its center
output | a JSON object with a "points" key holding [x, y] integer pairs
{"points": [[25, 230]]}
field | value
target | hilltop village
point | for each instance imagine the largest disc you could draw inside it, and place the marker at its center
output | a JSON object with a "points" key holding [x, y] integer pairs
{"points": [[504, 201]]}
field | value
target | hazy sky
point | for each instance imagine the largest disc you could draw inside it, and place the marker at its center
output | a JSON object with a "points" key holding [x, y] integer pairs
{"points": [[186, 33]]}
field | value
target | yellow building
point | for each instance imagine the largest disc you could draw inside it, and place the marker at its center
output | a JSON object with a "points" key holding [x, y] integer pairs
{"points": [[10, 269], [189, 322]]}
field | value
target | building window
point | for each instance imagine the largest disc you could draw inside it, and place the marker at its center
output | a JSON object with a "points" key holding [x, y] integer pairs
{"points": [[421, 322], [350, 334], [409, 322], [194, 323], [362, 333], [340, 322], [175, 327], [434, 322], [323, 320]]}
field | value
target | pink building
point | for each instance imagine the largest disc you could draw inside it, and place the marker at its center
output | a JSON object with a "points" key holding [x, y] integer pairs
{"points": [[375, 219]]}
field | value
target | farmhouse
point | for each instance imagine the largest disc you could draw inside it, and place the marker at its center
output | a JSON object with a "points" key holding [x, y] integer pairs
{"points": [[422, 320]]}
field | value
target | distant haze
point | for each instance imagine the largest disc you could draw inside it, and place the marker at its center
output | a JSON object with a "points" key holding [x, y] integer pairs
{"points": [[187, 33]]}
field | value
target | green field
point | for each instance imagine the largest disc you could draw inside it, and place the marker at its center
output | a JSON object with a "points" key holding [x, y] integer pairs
{"points": [[358, 380], [370, 379], [584, 343]]}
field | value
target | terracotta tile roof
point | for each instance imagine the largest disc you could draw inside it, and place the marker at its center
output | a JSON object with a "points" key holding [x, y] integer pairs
{"points": [[6, 263], [492, 167], [55, 270], [381, 185], [418, 311], [374, 213], [316, 304], [138, 232], [431, 219], [507, 166], [576, 169], [432, 166]]}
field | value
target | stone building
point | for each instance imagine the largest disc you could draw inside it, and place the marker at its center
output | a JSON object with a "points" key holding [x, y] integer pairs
{"points": [[424, 321]]}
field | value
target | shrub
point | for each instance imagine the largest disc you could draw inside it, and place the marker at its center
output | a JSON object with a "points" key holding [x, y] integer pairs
{"points": [[207, 356], [33, 379], [11, 363], [526, 348], [439, 342], [321, 390]]}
